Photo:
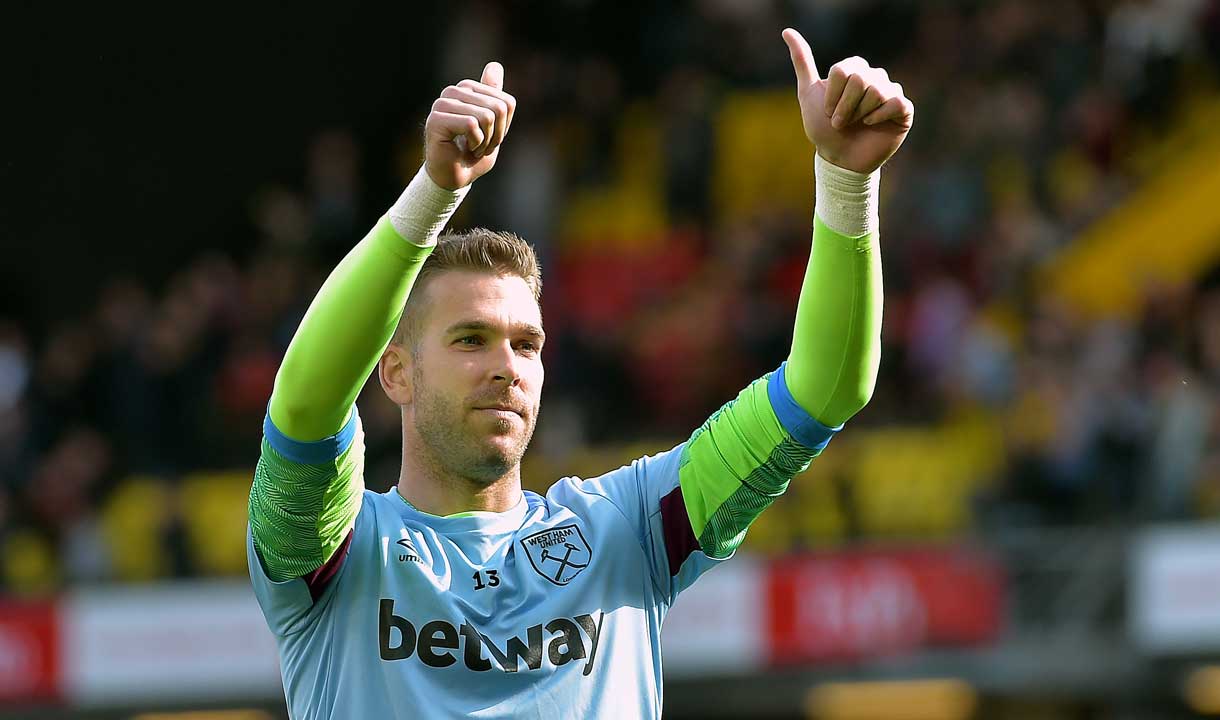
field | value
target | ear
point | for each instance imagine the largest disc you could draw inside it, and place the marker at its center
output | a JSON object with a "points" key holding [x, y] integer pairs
{"points": [[394, 371]]}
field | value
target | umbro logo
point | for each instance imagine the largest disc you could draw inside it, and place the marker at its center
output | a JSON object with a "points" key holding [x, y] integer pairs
{"points": [[408, 553]]}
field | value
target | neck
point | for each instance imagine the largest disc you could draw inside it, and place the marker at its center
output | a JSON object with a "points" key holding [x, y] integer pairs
{"points": [[429, 487]]}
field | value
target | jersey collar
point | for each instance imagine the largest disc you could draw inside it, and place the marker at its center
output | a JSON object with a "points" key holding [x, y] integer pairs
{"points": [[481, 521]]}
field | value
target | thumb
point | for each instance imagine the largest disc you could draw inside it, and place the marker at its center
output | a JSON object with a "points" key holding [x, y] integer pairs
{"points": [[802, 58], [493, 75]]}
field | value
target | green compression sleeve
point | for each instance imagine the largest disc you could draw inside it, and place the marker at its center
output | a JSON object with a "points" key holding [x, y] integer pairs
{"points": [[301, 508], [836, 346], [736, 464], [310, 476], [343, 334], [743, 457]]}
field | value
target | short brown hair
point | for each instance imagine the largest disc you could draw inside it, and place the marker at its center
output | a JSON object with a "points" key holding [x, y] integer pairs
{"points": [[479, 249]]}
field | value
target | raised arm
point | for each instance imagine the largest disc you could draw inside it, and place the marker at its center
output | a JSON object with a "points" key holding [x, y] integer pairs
{"points": [[351, 320], [856, 118], [743, 457], [308, 483]]}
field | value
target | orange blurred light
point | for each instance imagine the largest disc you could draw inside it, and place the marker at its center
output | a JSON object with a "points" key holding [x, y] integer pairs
{"points": [[1202, 690], [892, 700]]}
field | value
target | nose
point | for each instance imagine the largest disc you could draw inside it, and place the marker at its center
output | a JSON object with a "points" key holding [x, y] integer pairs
{"points": [[504, 365]]}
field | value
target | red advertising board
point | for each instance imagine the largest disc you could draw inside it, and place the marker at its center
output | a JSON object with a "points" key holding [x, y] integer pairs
{"points": [[859, 604], [816, 607], [29, 655]]}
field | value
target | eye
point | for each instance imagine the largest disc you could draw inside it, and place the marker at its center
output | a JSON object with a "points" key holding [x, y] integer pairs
{"points": [[471, 340], [527, 346]]}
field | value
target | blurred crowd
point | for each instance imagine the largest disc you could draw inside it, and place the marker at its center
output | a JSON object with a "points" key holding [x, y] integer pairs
{"points": [[663, 297]]}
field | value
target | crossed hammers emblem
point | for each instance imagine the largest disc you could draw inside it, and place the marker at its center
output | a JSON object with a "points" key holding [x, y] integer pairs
{"points": [[564, 562]]}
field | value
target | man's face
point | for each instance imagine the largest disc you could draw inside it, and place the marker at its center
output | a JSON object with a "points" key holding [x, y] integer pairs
{"points": [[477, 374]]}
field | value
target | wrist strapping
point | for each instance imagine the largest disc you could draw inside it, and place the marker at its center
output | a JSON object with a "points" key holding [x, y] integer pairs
{"points": [[423, 209], [846, 200]]}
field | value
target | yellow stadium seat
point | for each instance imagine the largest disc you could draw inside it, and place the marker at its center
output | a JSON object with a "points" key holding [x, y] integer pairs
{"points": [[215, 507], [630, 211], [29, 564], [133, 522], [763, 161], [1108, 268], [921, 482]]}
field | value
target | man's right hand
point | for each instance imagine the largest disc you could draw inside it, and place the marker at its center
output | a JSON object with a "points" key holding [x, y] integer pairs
{"points": [[465, 128]]}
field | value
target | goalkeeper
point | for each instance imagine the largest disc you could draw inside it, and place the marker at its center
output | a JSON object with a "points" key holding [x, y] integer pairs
{"points": [[456, 593]]}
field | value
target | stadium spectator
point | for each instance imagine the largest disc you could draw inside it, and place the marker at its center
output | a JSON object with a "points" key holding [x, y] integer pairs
{"points": [[1100, 419]]}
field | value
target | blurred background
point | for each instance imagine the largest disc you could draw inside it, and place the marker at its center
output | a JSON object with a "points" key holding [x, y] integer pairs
{"points": [[1022, 523]]}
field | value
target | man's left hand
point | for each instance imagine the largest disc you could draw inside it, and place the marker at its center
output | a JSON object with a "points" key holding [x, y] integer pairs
{"points": [[857, 117]]}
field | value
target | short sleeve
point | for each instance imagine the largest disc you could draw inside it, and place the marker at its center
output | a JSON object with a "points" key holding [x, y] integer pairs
{"points": [[304, 503], [690, 506]]}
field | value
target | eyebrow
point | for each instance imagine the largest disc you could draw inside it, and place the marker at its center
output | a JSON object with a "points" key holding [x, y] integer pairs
{"points": [[527, 329]]}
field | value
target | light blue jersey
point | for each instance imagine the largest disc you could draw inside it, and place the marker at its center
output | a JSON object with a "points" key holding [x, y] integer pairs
{"points": [[552, 609]]}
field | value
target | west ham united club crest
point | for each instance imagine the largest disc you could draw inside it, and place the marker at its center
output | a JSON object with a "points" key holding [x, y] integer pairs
{"points": [[558, 554]]}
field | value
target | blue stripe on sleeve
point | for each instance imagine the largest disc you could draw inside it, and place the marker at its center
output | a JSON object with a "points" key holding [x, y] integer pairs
{"points": [[311, 453], [800, 424]]}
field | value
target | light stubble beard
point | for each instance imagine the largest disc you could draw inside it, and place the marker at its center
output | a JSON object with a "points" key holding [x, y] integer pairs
{"points": [[440, 423]]}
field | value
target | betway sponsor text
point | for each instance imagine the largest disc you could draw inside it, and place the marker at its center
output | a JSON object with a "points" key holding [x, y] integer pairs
{"points": [[568, 639]]}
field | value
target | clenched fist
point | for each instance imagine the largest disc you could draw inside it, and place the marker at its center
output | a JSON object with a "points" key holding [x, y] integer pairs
{"points": [[465, 128], [857, 117]]}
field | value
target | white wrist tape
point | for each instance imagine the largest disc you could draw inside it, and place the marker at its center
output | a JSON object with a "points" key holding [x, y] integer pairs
{"points": [[423, 209], [846, 200]]}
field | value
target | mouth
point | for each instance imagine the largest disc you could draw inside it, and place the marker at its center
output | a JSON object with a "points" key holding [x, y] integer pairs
{"points": [[504, 411]]}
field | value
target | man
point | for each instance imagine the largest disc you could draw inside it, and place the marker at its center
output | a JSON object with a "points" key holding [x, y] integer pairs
{"points": [[456, 594]]}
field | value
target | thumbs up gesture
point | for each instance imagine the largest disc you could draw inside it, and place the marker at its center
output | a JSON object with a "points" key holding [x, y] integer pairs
{"points": [[856, 117], [464, 130]]}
